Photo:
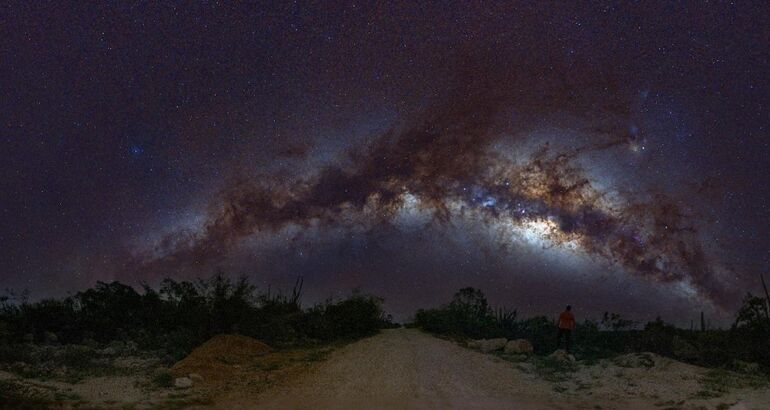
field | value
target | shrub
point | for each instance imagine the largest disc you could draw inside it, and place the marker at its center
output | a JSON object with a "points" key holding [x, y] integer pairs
{"points": [[162, 378], [181, 315], [468, 316]]}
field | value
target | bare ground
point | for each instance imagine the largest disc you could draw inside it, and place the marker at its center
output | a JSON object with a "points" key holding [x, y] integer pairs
{"points": [[405, 368]]}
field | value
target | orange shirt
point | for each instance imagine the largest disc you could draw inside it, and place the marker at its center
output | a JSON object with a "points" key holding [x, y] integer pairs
{"points": [[566, 320]]}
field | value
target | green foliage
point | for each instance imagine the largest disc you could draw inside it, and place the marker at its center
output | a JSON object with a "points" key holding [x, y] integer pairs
{"points": [[22, 397], [181, 315], [468, 316], [163, 379], [553, 370]]}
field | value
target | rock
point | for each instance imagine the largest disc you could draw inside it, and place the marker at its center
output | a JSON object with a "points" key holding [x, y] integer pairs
{"points": [[519, 346], [475, 344], [195, 377], [521, 357], [636, 360], [107, 351], [50, 337], [562, 356], [183, 383], [746, 367], [490, 345]]}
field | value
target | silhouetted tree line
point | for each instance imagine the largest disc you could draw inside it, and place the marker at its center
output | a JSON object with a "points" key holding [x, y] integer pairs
{"points": [[469, 315], [181, 315]]}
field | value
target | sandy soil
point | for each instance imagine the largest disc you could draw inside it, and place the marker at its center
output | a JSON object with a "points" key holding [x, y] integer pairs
{"points": [[405, 368], [408, 369]]}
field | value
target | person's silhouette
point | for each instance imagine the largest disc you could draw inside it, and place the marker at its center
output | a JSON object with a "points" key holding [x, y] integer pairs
{"points": [[566, 325]]}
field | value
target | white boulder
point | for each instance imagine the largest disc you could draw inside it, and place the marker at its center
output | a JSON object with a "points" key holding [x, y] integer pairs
{"points": [[490, 345], [183, 383], [519, 346]]}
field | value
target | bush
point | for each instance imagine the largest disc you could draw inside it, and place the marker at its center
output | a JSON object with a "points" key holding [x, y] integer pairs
{"points": [[182, 315], [163, 378], [468, 316]]}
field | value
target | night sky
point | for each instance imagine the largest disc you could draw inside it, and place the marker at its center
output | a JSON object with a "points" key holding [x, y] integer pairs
{"points": [[612, 157]]}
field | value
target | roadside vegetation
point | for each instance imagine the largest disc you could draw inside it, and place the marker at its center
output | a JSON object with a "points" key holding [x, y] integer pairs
{"points": [[180, 316], [742, 347], [116, 330]]}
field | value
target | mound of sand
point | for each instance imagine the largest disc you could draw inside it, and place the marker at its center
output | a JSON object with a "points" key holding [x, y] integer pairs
{"points": [[220, 356]]}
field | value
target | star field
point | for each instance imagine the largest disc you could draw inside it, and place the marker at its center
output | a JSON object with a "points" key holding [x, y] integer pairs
{"points": [[612, 156]]}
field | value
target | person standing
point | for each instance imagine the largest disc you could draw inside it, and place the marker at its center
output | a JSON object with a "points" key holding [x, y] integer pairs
{"points": [[566, 325]]}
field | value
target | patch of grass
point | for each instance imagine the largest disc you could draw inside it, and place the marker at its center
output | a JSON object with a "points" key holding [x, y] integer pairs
{"points": [[560, 388], [707, 394], [182, 403], [717, 382], [583, 386], [553, 370], [269, 367], [17, 396], [316, 355], [62, 396], [163, 379]]}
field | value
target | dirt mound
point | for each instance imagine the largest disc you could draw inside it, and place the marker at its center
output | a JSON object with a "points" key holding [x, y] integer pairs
{"points": [[220, 356]]}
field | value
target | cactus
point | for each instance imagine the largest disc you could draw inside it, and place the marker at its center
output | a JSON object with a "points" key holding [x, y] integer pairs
{"points": [[767, 296]]}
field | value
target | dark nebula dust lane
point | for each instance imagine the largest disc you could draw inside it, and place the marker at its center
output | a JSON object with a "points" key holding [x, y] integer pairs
{"points": [[615, 157], [443, 163]]}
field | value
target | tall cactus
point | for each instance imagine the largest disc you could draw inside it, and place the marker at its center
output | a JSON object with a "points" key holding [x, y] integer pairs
{"points": [[767, 296]]}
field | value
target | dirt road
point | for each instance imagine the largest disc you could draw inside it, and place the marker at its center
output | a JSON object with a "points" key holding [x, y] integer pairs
{"points": [[405, 368], [408, 369]]}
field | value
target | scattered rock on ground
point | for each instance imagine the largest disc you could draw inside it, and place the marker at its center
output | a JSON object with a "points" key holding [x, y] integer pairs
{"points": [[183, 382], [562, 356], [746, 367], [107, 351], [490, 345], [636, 360], [519, 346]]}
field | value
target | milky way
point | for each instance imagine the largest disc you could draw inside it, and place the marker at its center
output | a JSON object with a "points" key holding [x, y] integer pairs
{"points": [[614, 157], [443, 162]]}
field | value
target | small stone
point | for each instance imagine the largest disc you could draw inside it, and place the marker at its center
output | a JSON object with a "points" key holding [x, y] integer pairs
{"points": [[183, 383], [746, 367], [490, 345], [519, 346], [50, 337], [562, 356], [474, 344], [107, 351]]}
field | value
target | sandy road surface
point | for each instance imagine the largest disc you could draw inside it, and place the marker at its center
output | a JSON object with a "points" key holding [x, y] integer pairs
{"points": [[408, 369], [405, 368]]}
